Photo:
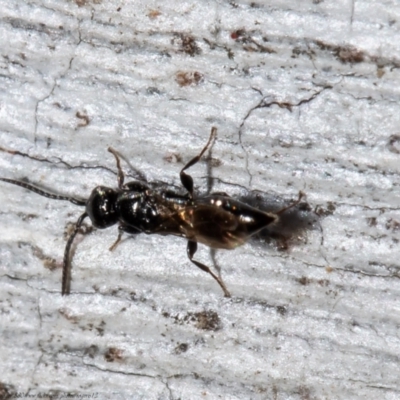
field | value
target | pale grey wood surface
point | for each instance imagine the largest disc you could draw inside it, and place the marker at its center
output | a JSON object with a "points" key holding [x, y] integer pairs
{"points": [[305, 96]]}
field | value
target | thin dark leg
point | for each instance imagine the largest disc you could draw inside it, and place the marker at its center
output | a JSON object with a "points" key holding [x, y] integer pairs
{"points": [[44, 193], [66, 275], [116, 243], [139, 175], [210, 179], [301, 195], [191, 250], [187, 180], [214, 260], [121, 175], [122, 229]]}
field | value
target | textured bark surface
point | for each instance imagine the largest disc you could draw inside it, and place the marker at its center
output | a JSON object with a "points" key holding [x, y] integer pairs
{"points": [[305, 96]]}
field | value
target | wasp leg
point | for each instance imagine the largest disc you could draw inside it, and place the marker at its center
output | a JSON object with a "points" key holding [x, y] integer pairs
{"points": [[191, 250], [121, 175], [122, 229], [118, 156], [115, 244], [187, 180], [301, 195], [214, 260], [66, 274]]}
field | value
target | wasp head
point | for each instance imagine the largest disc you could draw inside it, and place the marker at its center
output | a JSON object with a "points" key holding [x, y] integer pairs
{"points": [[101, 207]]}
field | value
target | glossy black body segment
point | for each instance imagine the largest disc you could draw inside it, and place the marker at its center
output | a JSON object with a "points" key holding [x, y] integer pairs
{"points": [[215, 220]]}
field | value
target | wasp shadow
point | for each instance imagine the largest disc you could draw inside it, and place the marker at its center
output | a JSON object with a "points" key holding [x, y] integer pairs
{"points": [[292, 226]]}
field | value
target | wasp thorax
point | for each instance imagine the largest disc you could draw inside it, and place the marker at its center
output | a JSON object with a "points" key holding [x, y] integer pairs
{"points": [[101, 207]]}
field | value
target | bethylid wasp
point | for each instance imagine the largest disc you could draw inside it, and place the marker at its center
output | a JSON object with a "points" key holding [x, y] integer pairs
{"points": [[216, 219]]}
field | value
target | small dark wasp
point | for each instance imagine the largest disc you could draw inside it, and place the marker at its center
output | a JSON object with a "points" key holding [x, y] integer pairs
{"points": [[216, 220]]}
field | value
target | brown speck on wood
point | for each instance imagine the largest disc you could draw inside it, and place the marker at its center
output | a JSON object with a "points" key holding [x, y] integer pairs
{"points": [[186, 78], [187, 44], [113, 354], [153, 14], [181, 348], [350, 54], [394, 144], [380, 72], [173, 158], [85, 119]]}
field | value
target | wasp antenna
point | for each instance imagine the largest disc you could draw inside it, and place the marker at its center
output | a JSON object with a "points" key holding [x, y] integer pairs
{"points": [[43, 193], [66, 274], [121, 176], [187, 180], [301, 195]]}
